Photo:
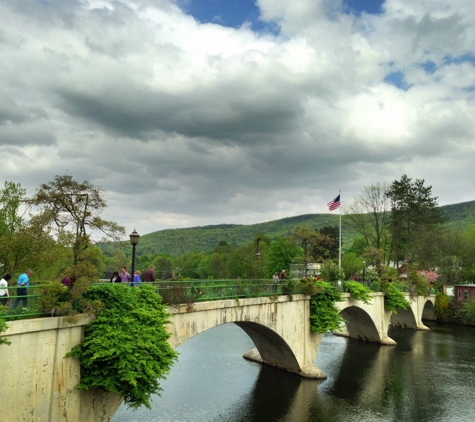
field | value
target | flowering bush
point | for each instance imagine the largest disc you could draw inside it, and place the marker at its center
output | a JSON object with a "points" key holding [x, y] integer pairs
{"points": [[431, 276]]}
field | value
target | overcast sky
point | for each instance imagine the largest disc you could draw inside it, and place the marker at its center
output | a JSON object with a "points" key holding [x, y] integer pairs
{"points": [[197, 112]]}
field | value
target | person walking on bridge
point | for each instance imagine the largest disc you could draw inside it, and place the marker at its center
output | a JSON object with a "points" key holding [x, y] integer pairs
{"points": [[149, 274], [124, 275], [4, 289], [22, 291]]}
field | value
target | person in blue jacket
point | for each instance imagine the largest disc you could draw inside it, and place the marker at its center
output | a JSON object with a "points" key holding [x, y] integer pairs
{"points": [[22, 291]]}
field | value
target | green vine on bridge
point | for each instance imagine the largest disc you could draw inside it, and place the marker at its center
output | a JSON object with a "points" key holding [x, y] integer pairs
{"points": [[125, 348], [359, 291], [394, 298], [3, 327], [324, 315]]}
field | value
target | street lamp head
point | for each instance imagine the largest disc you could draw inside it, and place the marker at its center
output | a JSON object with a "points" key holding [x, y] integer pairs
{"points": [[134, 237]]}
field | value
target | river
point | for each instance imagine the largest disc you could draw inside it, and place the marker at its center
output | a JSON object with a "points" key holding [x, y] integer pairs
{"points": [[428, 376]]}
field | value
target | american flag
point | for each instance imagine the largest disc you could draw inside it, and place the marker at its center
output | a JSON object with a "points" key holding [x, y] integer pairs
{"points": [[333, 205]]}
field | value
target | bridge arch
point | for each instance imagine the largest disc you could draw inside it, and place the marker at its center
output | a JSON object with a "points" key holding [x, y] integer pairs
{"points": [[421, 307], [280, 329], [360, 324]]}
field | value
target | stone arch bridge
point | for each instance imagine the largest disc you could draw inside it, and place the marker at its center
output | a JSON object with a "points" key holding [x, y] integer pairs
{"points": [[38, 383]]}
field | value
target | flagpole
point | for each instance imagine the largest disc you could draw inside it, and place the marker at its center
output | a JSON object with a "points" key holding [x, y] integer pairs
{"points": [[339, 254]]}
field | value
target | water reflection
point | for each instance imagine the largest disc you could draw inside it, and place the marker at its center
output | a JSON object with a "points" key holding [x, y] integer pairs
{"points": [[427, 377]]}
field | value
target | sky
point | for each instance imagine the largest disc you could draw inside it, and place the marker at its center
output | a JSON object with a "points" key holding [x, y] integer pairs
{"points": [[198, 112]]}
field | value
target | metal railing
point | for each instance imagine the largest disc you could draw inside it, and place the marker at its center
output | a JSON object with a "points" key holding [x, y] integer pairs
{"points": [[17, 306], [176, 292]]}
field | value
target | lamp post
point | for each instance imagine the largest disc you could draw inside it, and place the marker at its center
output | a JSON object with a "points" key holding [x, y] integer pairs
{"points": [[134, 239], [258, 257]]}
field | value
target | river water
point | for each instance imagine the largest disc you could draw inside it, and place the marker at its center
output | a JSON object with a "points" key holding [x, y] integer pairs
{"points": [[428, 376]]}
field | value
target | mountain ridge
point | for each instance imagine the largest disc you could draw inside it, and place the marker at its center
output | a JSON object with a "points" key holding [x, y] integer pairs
{"points": [[176, 242]]}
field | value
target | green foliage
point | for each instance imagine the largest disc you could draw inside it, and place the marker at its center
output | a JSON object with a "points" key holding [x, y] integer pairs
{"points": [[177, 242], [358, 291], [469, 311], [446, 311], [308, 286], [324, 315], [368, 215], [125, 349], [289, 288], [442, 308], [330, 272], [413, 210], [3, 327], [351, 264], [393, 298], [282, 251], [54, 298]]}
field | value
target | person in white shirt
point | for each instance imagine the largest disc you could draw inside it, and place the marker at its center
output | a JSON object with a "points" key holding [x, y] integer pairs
{"points": [[4, 295]]}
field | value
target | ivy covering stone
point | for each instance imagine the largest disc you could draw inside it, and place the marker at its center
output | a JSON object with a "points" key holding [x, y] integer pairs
{"points": [[125, 348]]}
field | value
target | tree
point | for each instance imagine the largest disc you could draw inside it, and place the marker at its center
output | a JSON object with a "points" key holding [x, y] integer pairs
{"points": [[316, 246], [23, 243], [72, 210], [331, 241], [282, 251], [163, 266], [351, 264], [413, 211], [369, 215]]}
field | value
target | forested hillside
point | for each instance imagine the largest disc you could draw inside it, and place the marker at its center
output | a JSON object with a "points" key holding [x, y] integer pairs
{"points": [[176, 242]]}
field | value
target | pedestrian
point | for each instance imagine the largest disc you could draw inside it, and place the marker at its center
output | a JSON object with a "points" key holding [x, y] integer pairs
{"points": [[275, 278], [124, 275], [282, 276], [65, 281], [149, 274], [115, 277], [136, 278], [4, 295], [22, 291]]}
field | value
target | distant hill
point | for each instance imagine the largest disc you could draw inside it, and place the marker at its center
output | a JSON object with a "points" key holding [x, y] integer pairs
{"points": [[176, 242]]}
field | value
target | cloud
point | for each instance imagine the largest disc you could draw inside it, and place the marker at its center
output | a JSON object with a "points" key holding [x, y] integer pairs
{"points": [[183, 123]]}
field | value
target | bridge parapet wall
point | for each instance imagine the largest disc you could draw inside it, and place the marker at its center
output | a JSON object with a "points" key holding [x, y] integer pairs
{"points": [[37, 382]]}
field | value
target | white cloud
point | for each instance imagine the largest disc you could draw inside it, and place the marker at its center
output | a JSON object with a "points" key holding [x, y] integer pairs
{"points": [[185, 124]]}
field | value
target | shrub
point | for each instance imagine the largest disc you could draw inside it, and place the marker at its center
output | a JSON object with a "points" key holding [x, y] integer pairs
{"points": [[330, 272], [393, 298], [324, 315], [125, 349], [289, 288], [358, 291], [307, 286], [3, 327]]}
